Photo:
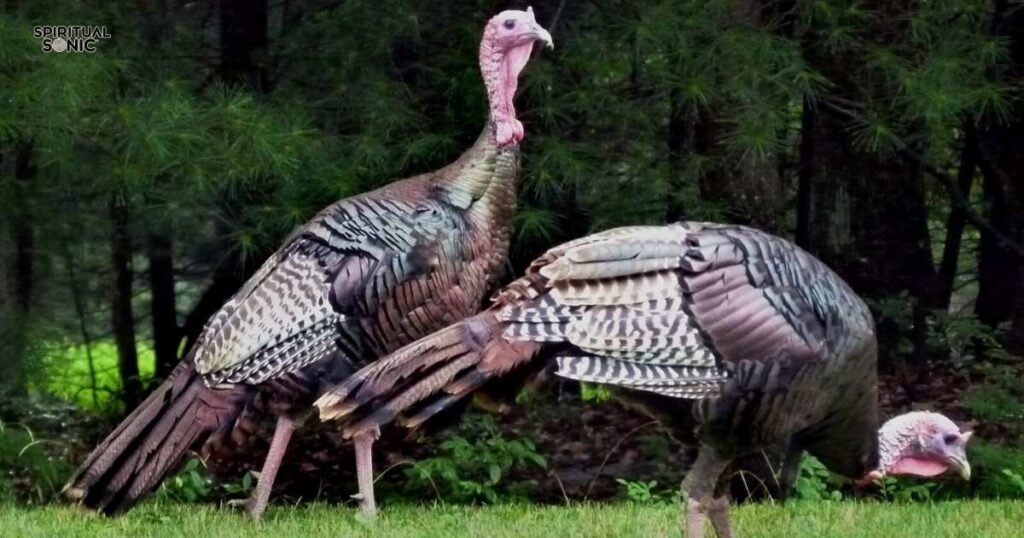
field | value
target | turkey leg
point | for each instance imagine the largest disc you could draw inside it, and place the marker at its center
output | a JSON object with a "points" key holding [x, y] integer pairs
{"points": [[257, 502], [718, 512], [698, 490], [790, 470], [364, 471]]}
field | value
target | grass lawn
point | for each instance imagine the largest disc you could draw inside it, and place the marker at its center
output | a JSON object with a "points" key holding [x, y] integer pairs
{"points": [[794, 520]]}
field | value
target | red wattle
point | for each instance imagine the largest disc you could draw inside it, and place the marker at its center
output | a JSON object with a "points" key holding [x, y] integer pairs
{"points": [[918, 466]]}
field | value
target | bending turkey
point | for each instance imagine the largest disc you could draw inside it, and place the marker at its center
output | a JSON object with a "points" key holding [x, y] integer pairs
{"points": [[734, 339], [364, 277]]}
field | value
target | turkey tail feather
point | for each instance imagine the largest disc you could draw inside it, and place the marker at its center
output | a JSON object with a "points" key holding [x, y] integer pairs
{"points": [[132, 461], [427, 376]]}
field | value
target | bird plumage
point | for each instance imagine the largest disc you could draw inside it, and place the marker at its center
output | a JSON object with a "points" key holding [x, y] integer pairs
{"points": [[731, 337], [365, 276]]}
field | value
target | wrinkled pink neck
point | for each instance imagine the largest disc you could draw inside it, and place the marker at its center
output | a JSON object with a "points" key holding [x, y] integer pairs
{"points": [[501, 79]]}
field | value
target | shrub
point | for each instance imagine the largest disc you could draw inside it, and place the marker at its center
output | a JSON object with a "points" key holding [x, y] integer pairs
{"points": [[992, 403], [815, 482], [472, 462], [996, 468], [906, 489], [192, 483]]}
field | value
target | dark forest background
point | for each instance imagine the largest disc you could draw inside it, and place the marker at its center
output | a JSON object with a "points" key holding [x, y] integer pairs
{"points": [[140, 185]]}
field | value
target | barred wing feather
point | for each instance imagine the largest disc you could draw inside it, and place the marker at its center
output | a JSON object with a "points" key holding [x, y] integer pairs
{"points": [[351, 262], [672, 309]]}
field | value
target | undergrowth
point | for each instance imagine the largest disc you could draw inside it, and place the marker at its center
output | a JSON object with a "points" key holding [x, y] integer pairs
{"points": [[472, 464]]}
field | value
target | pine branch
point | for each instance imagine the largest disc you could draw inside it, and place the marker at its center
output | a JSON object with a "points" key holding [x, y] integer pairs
{"points": [[948, 181]]}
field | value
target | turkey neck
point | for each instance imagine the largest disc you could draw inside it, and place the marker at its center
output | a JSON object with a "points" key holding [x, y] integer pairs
{"points": [[482, 182]]}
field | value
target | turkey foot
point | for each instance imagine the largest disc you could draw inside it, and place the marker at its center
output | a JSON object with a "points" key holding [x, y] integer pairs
{"points": [[364, 471], [256, 504]]}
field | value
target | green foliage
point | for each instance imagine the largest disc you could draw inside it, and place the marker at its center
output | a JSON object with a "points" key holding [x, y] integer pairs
{"points": [[903, 489], [642, 492], [995, 468], [993, 403], [595, 392], [192, 483], [815, 482], [1015, 479], [472, 463], [68, 375], [896, 312], [962, 336], [30, 471], [240, 488]]}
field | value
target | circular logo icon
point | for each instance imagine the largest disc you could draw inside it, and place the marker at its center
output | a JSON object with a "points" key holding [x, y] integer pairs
{"points": [[59, 45]]}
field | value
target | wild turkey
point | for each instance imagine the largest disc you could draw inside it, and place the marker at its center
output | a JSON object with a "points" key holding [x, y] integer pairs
{"points": [[364, 277], [732, 338]]}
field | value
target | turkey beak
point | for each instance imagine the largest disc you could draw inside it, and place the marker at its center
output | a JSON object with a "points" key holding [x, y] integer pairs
{"points": [[539, 34], [957, 457], [961, 466]]}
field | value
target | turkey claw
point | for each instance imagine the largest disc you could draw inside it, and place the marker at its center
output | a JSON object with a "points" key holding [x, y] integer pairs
{"points": [[238, 504]]}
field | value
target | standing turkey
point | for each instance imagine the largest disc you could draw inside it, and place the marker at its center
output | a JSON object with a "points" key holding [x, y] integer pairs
{"points": [[364, 277], [732, 338]]}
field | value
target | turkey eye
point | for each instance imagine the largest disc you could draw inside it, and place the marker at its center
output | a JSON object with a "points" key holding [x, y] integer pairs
{"points": [[510, 24], [950, 439]]}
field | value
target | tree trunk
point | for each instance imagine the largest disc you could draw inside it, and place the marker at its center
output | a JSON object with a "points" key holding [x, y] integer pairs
{"points": [[121, 303], [679, 129], [20, 272], [805, 175], [24, 236], [1001, 154], [166, 333], [955, 224], [997, 271], [83, 326], [243, 35], [749, 189]]}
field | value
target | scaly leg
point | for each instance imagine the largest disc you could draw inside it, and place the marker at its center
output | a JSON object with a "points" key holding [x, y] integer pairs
{"points": [[698, 490], [718, 512], [693, 519], [790, 470], [257, 503], [364, 471]]}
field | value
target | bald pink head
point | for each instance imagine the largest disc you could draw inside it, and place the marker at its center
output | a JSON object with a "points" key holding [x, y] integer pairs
{"points": [[922, 443], [506, 46]]}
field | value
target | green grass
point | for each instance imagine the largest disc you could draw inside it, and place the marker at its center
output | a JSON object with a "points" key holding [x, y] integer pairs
{"points": [[793, 520]]}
